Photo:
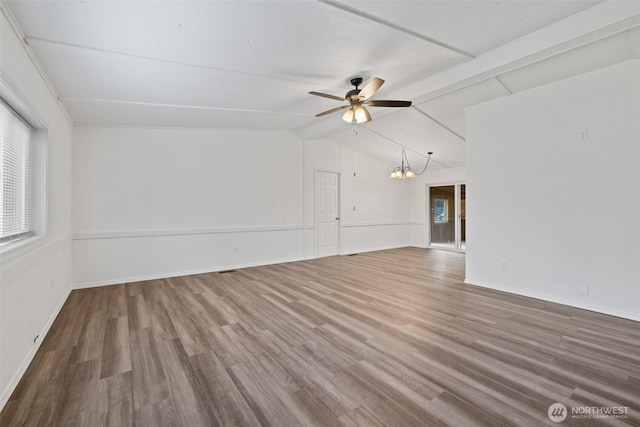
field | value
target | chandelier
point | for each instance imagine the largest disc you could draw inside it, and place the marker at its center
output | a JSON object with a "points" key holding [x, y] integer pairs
{"points": [[404, 170]]}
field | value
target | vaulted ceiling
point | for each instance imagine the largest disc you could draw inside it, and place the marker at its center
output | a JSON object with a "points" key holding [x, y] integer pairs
{"points": [[251, 64]]}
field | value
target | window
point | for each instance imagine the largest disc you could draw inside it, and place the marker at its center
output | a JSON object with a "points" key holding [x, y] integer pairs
{"points": [[16, 155], [440, 213]]}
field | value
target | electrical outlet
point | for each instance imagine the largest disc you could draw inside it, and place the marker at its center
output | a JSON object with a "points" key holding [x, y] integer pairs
{"points": [[584, 290], [504, 264], [584, 134]]}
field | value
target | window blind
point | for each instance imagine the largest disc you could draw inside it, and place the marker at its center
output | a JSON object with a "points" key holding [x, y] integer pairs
{"points": [[15, 172]]}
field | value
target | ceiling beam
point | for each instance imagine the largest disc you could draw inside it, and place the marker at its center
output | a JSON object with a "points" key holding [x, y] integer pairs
{"points": [[389, 24], [593, 24], [439, 123], [603, 20], [404, 147], [190, 107], [30, 40]]}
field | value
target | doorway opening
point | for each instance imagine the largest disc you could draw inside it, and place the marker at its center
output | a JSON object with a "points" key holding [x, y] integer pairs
{"points": [[447, 216]]}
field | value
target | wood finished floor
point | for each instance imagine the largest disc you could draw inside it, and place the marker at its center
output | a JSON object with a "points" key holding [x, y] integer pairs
{"points": [[390, 338]]}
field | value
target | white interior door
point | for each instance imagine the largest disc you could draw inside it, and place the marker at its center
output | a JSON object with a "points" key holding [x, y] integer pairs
{"points": [[327, 213]]}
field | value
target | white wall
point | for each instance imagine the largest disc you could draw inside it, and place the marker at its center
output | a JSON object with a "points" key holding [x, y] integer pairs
{"points": [[165, 202], [380, 219], [35, 279], [562, 212], [419, 231], [151, 203]]}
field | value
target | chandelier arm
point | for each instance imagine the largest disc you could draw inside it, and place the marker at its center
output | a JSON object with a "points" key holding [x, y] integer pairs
{"points": [[404, 158], [406, 172], [425, 166]]}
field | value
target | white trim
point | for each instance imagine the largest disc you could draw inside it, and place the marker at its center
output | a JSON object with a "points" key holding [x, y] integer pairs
{"points": [[81, 126], [375, 249], [88, 235], [180, 273], [562, 301], [446, 182], [305, 227], [15, 27], [177, 106], [33, 252], [374, 224], [20, 103], [13, 383], [444, 248], [7, 248]]}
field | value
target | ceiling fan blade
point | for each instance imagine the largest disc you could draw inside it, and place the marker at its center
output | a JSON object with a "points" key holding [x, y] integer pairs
{"points": [[371, 88], [333, 110], [382, 103], [326, 95]]}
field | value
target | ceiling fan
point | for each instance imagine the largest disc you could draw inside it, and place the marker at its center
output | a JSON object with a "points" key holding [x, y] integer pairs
{"points": [[357, 99]]}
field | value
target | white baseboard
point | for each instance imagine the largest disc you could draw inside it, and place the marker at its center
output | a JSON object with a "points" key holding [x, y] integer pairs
{"points": [[376, 249], [6, 393], [374, 224], [562, 301], [144, 278]]}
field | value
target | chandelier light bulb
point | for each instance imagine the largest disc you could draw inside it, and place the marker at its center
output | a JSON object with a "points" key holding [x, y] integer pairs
{"points": [[404, 170]]}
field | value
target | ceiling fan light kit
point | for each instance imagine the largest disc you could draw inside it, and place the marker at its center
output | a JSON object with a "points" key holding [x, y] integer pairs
{"points": [[357, 99], [357, 114]]}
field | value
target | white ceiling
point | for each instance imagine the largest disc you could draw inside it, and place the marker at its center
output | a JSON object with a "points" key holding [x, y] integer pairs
{"points": [[251, 64]]}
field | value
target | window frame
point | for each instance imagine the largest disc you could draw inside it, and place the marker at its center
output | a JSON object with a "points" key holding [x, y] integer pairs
{"points": [[38, 173], [23, 168], [445, 207]]}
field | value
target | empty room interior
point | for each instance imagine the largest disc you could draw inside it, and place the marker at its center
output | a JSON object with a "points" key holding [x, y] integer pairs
{"points": [[332, 212]]}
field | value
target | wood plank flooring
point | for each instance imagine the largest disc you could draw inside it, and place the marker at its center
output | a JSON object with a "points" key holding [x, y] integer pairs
{"points": [[390, 338]]}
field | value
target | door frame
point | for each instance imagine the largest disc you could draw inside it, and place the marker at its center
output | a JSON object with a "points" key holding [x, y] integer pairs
{"points": [[457, 214], [315, 211]]}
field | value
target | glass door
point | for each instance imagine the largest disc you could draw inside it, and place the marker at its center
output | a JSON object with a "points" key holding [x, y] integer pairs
{"points": [[462, 214], [443, 226], [447, 216]]}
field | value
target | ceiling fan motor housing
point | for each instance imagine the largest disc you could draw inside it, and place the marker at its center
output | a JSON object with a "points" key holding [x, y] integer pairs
{"points": [[357, 99], [356, 81], [353, 94]]}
